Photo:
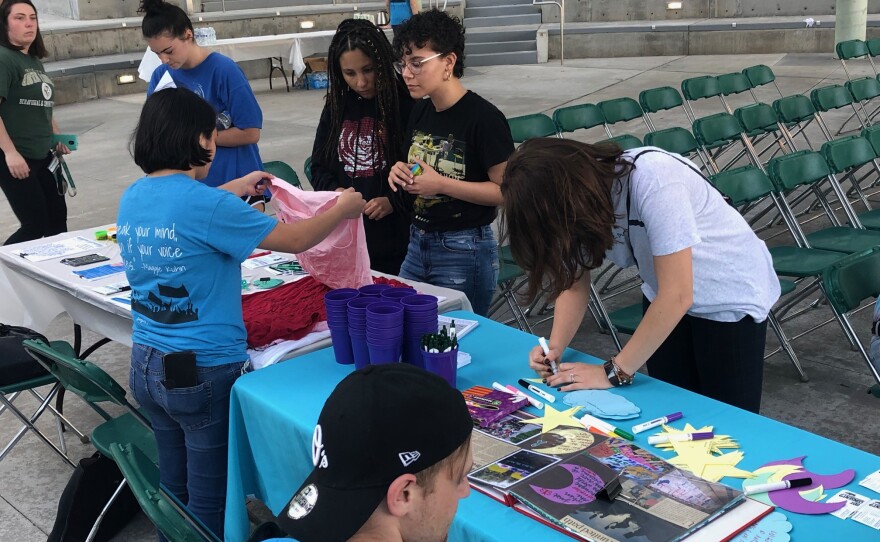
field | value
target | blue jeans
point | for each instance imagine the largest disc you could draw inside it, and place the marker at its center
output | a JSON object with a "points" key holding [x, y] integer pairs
{"points": [[464, 260], [192, 431]]}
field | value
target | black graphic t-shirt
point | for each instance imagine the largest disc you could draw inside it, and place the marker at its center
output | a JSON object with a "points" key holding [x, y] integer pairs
{"points": [[362, 161], [462, 142]]}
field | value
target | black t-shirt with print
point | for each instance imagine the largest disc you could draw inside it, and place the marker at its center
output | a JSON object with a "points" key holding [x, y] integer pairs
{"points": [[462, 142]]}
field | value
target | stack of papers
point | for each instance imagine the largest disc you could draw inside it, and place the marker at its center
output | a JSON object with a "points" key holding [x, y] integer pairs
{"points": [[705, 457]]}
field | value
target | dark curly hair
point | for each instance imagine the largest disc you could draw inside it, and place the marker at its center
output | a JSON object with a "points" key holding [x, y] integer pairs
{"points": [[364, 36], [38, 47], [436, 30], [559, 209], [161, 17]]}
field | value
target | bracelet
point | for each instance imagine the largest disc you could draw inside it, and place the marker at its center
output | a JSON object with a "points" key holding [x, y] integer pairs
{"points": [[616, 375]]}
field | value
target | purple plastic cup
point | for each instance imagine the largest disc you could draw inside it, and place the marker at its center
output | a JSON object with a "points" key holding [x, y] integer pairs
{"points": [[374, 290], [412, 351], [419, 303], [444, 364], [360, 352], [357, 309], [385, 351], [340, 296], [396, 294], [382, 334], [342, 346], [385, 314]]}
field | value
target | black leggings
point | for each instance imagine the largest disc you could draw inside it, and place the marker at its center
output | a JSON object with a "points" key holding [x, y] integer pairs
{"points": [[34, 200], [721, 360]]}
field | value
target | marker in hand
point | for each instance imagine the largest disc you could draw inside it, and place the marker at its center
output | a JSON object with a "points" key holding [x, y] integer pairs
{"points": [[546, 348]]}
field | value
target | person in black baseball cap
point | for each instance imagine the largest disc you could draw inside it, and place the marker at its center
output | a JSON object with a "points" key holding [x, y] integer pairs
{"points": [[391, 452]]}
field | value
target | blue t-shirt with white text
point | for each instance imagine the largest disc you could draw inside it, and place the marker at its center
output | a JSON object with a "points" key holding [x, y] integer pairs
{"points": [[221, 83], [182, 244]]}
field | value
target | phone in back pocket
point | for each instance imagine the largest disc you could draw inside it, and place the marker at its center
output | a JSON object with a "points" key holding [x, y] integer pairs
{"points": [[180, 370]]}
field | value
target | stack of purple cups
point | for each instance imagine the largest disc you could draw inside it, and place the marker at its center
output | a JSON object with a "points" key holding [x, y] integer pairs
{"points": [[357, 328], [336, 303], [420, 318], [384, 332], [397, 293], [373, 290]]}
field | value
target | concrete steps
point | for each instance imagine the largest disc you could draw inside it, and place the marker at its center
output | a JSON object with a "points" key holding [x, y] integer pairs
{"points": [[209, 6], [501, 32]]}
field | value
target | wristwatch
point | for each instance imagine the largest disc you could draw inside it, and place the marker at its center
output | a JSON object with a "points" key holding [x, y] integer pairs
{"points": [[616, 375]]}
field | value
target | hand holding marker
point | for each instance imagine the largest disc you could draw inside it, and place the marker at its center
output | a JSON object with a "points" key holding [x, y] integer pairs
{"points": [[546, 348]]}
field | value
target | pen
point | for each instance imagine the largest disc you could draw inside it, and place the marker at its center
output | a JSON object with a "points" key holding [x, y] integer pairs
{"points": [[679, 437], [776, 486], [258, 254], [587, 419], [656, 422], [537, 391], [534, 402], [546, 348]]}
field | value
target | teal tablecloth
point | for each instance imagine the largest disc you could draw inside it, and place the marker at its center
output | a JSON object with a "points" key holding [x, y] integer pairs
{"points": [[273, 413]]}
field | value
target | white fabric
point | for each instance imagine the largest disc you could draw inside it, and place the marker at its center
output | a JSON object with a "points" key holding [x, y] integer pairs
{"points": [[732, 268], [291, 47], [34, 294]]}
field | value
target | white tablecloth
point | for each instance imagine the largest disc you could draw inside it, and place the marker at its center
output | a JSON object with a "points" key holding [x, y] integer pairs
{"points": [[291, 47], [33, 294]]}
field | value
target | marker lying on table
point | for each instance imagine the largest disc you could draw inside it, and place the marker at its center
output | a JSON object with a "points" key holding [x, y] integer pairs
{"points": [[776, 486], [679, 437], [656, 422], [546, 348], [587, 419], [513, 391], [537, 391]]}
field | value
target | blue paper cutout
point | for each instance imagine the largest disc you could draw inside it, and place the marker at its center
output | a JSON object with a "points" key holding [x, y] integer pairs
{"points": [[603, 404], [774, 527]]}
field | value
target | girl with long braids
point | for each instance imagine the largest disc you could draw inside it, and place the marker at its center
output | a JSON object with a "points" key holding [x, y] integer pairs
{"points": [[360, 135]]}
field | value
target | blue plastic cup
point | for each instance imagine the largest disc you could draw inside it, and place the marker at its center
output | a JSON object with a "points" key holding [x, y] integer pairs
{"points": [[360, 352], [382, 333], [396, 294], [374, 290], [385, 351], [385, 314], [419, 303], [357, 309], [340, 296], [342, 346], [444, 364], [412, 350]]}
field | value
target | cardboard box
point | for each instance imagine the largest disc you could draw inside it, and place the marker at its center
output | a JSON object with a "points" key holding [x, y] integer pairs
{"points": [[316, 63]]}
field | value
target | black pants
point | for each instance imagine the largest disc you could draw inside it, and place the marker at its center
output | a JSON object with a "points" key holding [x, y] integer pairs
{"points": [[721, 360], [35, 201]]}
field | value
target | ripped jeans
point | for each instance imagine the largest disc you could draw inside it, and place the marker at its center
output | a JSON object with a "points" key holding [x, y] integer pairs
{"points": [[464, 260]]}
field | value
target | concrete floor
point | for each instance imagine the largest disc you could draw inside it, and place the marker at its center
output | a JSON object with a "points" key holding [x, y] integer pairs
{"points": [[833, 404]]}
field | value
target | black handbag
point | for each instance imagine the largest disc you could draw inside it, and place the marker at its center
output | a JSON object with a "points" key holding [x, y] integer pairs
{"points": [[16, 365], [88, 491]]}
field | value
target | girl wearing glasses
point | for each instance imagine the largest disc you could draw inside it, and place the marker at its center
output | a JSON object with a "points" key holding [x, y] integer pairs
{"points": [[361, 134], [216, 79], [26, 126], [458, 147]]}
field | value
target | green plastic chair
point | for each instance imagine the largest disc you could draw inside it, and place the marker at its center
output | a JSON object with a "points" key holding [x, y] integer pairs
{"points": [[307, 169], [511, 278], [659, 99], [760, 75], [677, 140], [809, 168], [757, 119], [700, 88], [624, 141], [577, 117], [833, 97], [848, 283], [531, 126], [168, 516], [847, 155], [621, 110], [850, 49], [717, 130], [8, 394], [795, 109], [282, 171], [734, 83], [873, 47]]}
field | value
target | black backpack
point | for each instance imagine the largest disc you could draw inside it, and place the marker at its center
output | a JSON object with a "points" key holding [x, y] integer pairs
{"points": [[15, 364]]}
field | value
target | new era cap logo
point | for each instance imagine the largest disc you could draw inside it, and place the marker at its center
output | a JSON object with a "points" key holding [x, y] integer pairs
{"points": [[408, 458]]}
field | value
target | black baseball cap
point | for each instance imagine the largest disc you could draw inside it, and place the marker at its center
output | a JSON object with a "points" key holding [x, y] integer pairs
{"points": [[380, 422]]}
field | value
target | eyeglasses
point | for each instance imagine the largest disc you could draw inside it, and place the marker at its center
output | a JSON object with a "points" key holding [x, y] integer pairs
{"points": [[415, 66]]}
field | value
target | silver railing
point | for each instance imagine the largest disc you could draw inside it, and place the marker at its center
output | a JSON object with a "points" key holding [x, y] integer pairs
{"points": [[561, 5]]}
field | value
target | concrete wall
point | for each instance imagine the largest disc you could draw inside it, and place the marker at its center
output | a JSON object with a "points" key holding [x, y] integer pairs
{"points": [[103, 9], [655, 10], [620, 44]]}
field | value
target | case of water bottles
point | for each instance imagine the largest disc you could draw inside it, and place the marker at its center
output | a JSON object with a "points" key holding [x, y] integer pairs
{"points": [[205, 36]]}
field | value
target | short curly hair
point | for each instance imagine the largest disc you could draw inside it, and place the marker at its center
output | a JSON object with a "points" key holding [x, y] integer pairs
{"points": [[434, 29]]}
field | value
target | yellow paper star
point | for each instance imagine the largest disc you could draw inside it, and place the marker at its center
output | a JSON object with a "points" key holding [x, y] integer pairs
{"points": [[553, 418]]}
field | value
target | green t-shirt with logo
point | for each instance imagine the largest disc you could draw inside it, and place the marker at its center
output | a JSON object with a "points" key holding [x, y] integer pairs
{"points": [[28, 96]]}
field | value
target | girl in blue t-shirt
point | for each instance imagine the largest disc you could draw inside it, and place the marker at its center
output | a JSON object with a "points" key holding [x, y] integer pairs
{"points": [[182, 244], [216, 79]]}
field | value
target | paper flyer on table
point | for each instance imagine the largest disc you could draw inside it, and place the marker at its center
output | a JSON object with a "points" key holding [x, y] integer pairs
{"points": [[872, 481], [59, 249], [868, 514], [854, 501]]}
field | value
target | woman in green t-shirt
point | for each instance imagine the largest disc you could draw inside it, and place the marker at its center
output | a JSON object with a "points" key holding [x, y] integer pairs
{"points": [[27, 97]]}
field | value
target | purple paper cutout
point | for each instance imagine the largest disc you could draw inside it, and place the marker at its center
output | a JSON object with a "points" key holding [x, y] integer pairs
{"points": [[582, 490], [791, 500]]}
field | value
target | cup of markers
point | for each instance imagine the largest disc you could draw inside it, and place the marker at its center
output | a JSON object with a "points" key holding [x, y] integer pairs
{"points": [[440, 353]]}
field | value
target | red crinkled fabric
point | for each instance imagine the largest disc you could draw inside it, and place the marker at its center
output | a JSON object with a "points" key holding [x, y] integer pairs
{"points": [[288, 312]]}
